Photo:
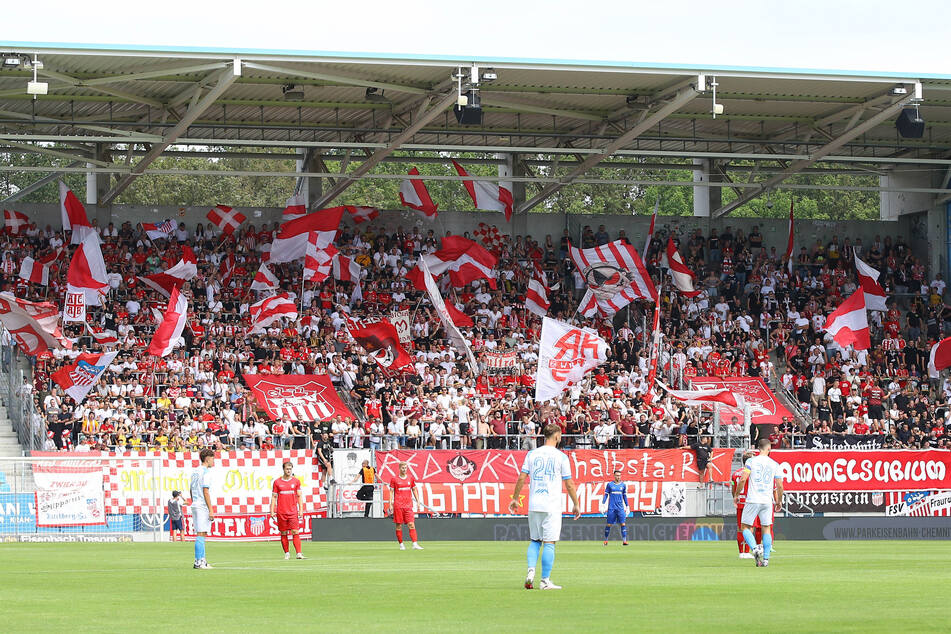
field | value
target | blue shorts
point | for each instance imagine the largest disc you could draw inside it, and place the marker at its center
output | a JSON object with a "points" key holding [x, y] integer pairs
{"points": [[616, 516], [176, 525]]}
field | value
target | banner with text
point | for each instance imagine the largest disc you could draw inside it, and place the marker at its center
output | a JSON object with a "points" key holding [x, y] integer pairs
{"points": [[69, 493], [844, 441], [921, 504], [587, 465], [304, 397], [886, 470], [245, 528], [240, 480], [666, 499]]}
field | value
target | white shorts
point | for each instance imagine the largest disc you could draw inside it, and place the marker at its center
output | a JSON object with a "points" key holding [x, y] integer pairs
{"points": [[543, 526], [201, 520], [752, 511]]}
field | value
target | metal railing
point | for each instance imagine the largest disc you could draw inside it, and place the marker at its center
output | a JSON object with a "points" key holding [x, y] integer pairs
{"points": [[16, 390]]}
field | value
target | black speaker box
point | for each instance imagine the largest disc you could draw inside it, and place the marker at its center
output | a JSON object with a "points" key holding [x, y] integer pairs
{"points": [[909, 124]]}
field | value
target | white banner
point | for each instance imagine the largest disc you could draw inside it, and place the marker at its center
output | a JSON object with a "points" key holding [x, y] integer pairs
{"points": [[565, 355], [69, 493], [74, 308], [400, 320], [455, 337]]}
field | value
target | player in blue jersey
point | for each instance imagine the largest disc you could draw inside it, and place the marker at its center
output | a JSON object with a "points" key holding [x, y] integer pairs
{"points": [[615, 494], [765, 492], [202, 510], [546, 469]]}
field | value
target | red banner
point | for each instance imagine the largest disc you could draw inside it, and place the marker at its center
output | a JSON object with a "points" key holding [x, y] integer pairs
{"points": [[587, 465], [492, 498], [306, 397], [246, 528], [765, 409], [886, 470]]}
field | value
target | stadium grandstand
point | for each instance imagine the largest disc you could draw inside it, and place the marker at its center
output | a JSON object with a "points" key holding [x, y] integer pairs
{"points": [[742, 300]]}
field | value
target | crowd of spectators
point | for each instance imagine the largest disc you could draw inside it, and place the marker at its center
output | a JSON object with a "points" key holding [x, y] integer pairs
{"points": [[752, 319]]}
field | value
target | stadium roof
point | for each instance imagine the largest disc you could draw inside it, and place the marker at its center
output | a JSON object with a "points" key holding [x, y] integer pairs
{"points": [[369, 105]]}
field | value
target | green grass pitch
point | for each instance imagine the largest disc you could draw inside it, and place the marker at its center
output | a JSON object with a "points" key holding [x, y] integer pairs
{"points": [[475, 586]]}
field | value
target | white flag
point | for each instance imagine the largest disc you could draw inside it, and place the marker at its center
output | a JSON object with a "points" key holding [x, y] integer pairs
{"points": [[455, 337], [566, 353]]}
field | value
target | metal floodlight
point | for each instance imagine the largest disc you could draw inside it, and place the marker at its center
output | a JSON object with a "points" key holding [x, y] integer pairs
{"points": [[292, 92], [375, 95], [37, 88]]}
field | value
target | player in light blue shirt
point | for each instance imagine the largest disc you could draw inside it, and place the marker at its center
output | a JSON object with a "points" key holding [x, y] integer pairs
{"points": [[545, 468], [202, 510], [615, 494], [765, 490]]}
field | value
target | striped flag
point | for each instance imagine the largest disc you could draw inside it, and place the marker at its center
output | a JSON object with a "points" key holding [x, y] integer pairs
{"points": [[615, 275], [413, 194]]}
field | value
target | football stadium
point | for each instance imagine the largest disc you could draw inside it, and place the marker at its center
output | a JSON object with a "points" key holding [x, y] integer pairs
{"points": [[407, 342]]}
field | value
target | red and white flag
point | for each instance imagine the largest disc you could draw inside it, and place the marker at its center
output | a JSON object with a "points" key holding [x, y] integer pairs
{"points": [[77, 378], [650, 231], [413, 194], [452, 331], [789, 243], [291, 240], [226, 219], [107, 337], [536, 298], [226, 268], [362, 214], [488, 196], [87, 271], [318, 262], [682, 276], [15, 222], [38, 271], [464, 260], [868, 281], [565, 354], [653, 353], [264, 280], [169, 332], [940, 357], [296, 207], [184, 270], [271, 309], [73, 214], [346, 269], [615, 275], [382, 342], [705, 397], [458, 317], [34, 325], [158, 231], [848, 324]]}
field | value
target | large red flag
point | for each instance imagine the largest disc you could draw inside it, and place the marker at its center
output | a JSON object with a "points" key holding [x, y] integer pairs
{"points": [[490, 196], [382, 342], [173, 323]]}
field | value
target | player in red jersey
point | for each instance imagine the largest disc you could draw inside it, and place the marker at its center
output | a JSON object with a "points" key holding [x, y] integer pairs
{"points": [[740, 503], [287, 506], [404, 492]]}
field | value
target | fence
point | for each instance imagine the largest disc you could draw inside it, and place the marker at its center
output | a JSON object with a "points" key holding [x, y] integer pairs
{"points": [[77, 499], [16, 390]]}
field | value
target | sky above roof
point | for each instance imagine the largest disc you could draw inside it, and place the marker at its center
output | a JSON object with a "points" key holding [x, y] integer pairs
{"points": [[857, 35]]}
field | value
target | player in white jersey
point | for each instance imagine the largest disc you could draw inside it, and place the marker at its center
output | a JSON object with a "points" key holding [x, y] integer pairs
{"points": [[545, 468], [765, 489], [202, 510]]}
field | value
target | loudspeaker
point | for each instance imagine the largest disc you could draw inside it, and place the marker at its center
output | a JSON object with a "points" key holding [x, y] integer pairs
{"points": [[468, 115], [910, 124]]}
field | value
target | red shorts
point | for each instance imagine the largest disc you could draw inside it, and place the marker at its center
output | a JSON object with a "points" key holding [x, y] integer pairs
{"points": [[403, 515], [287, 523]]}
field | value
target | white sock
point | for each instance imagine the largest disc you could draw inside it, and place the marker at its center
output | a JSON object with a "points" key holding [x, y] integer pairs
{"points": [[531, 573]]}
